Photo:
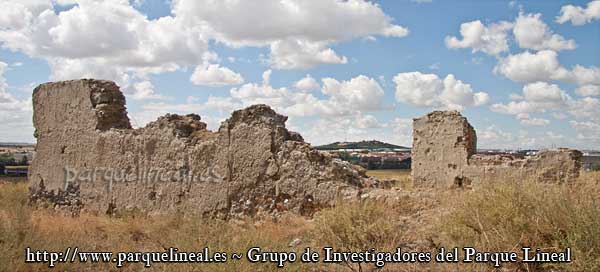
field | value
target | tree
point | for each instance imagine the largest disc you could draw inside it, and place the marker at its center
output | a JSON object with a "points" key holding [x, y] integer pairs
{"points": [[24, 161], [7, 159]]}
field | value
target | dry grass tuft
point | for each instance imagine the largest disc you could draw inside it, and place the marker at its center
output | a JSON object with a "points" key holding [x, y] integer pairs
{"points": [[509, 215], [503, 216]]}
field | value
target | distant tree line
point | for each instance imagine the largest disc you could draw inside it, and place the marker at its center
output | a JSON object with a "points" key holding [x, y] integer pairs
{"points": [[8, 160]]}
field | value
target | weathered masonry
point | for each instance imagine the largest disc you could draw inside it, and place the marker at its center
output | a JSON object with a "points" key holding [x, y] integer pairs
{"points": [[89, 158], [444, 155]]}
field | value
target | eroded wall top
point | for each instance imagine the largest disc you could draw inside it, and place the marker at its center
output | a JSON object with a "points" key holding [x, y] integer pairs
{"points": [[89, 158]]}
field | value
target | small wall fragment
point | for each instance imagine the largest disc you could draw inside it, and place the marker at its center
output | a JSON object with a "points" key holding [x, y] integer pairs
{"points": [[444, 156]]}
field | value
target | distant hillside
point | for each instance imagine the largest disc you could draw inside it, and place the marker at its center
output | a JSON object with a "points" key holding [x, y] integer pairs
{"points": [[16, 144], [373, 144]]}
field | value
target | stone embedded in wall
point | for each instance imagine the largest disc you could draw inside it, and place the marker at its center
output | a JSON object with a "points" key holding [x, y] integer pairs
{"points": [[88, 158], [443, 155]]}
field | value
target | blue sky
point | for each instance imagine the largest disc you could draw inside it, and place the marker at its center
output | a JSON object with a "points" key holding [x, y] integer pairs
{"points": [[525, 73]]}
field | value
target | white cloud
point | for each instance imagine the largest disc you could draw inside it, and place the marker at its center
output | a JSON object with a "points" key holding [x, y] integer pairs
{"points": [[359, 94], [327, 20], [559, 115], [514, 108], [401, 131], [587, 108], [532, 33], [298, 33], [544, 66], [525, 119], [578, 15], [529, 31], [103, 39], [367, 121], [490, 39], [588, 90], [588, 132], [428, 90], [113, 40], [215, 75], [299, 54], [493, 136], [307, 83], [547, 95], [144, 90], [554, 136], [543, 97], [15, 114], [537, 97], [343, 112]]}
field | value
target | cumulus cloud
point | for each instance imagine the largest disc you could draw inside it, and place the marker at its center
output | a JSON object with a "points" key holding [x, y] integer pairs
{"points": [[428, 90], [529, 31], [113, 40], [215, 75], [587, 108], [493, 136], [298, 33], [587, 131], [525, 119], [367, 121], [579, 15], [350, 101], [15, 114], [307, 83], [359, 94], [299, 54], [542, 97], [103, 39], [537, 97], [144, 90], [283, 20], [588, 90], [532, 33], [490, 39], [544, 66]]}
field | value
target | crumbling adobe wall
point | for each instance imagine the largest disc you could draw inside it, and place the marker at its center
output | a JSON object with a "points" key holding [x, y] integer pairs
{"points": [[89, 158], [442, 145], [443, 155]]}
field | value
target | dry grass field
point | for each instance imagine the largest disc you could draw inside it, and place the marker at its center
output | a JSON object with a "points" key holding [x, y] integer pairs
{"points": [[500, 217], [401, 175]]}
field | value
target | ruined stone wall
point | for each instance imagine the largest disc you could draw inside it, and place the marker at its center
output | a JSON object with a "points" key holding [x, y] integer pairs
{"points": [[443, 154], [88, 158], [443, 142]]}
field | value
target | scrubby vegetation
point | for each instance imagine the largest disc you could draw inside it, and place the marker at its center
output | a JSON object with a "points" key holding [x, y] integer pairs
{"points": [[507, 216], [504, 216]]}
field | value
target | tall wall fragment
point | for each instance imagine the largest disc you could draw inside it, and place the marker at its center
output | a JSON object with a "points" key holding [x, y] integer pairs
{"points": [[89, 158], [444, 155]]}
